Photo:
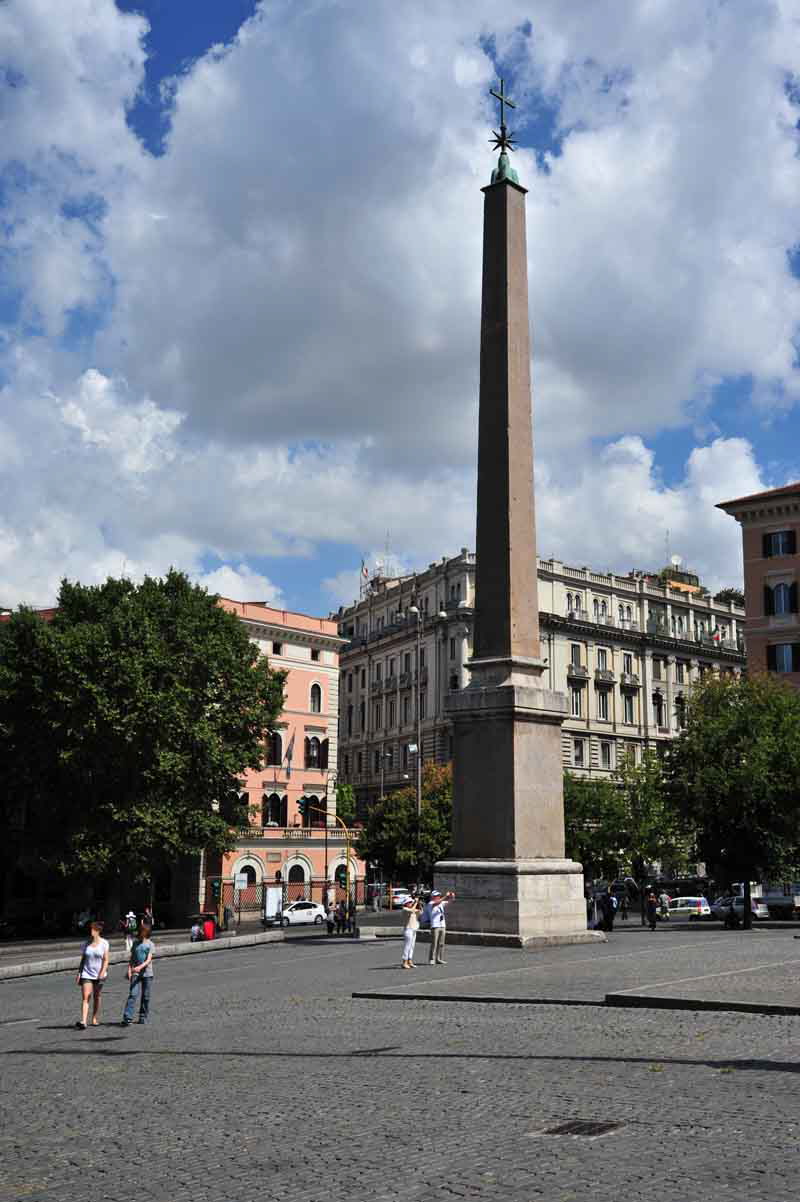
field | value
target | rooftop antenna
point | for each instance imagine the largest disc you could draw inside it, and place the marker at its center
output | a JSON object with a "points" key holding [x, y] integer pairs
{"points": [[666, 546]]}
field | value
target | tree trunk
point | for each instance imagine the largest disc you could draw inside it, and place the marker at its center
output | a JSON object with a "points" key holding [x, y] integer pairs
{"points": [[747, 908]]}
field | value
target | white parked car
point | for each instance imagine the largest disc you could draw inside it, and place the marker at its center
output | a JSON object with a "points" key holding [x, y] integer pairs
{"points": [[722, 905], [302, 911], [399, 898], [692, 908]]}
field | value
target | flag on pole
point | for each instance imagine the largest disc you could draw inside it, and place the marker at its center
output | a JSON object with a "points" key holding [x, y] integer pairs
{"points": [[364, 570], [289, 754]]}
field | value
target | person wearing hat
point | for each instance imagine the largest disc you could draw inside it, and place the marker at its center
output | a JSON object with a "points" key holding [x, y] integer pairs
{"points": [[131, 926], [434, 914]]}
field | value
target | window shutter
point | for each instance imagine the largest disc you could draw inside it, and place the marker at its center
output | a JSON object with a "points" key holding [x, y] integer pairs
{"points": [[772, 659], [307, 746], [769, 600], [793, 599], [323, 754], [766, 545], [796, 657], [792, 542]]}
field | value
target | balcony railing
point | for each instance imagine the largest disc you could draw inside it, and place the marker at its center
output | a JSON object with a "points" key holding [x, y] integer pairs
{"points": [[629, 680], [604, 676], [405, 680], [578, 671]]}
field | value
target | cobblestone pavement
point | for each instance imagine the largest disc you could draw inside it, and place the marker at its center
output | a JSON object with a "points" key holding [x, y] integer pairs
{"points": [[261, 1078]]}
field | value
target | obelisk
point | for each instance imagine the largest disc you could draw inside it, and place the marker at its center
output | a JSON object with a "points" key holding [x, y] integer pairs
{"points": [[513, 885]]}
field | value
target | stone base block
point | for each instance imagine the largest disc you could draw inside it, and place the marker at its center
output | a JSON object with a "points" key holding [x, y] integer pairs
{"points": [[517, 903]]}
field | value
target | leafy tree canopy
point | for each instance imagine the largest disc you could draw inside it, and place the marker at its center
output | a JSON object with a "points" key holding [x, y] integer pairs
{"points": [[594, 819], [346, 804], [735, 774], [390, 832], [726, 595], [127, 722]]}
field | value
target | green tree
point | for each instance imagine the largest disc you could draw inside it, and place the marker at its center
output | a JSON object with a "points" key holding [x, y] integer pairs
{"points": [[652, 828], [735, 773], [346, 804], [127, 722], [726, 595], [594, 821], [389, 836]]}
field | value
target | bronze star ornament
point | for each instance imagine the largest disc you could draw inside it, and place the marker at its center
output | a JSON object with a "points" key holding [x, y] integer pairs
{"points": [[503, 140]]}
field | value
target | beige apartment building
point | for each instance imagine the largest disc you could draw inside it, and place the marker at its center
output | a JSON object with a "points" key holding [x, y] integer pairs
{"points": [[626, 650]]}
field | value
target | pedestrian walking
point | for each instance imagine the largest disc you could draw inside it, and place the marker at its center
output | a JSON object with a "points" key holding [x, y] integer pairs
{"points": [[130, 930], [651, 905], [330, 919], [608, 909], [340, 915], [412, 910], [92, 974], [434, 914], [140, 975], [663, 903], [147, 917], [623, 909]]}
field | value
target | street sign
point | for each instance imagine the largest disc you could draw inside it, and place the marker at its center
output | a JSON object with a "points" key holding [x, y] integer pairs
{"points": [[241, 880]]}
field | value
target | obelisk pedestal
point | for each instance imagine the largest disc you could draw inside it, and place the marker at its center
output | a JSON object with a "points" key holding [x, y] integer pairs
{"points": [[513, 885]]}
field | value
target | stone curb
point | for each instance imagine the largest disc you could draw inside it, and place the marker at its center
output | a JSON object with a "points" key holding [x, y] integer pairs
{"points": [[640, 1001], [489, 999], [70, 963]]}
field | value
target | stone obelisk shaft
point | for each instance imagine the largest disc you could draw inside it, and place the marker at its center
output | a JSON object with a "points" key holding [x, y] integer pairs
{"points": [[506, 602]]}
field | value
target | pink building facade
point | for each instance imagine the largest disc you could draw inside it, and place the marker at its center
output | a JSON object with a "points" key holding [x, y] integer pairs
{"points": [[293, 835]]}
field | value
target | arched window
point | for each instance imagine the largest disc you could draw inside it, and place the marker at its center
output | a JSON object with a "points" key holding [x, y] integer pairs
{"points": [[249, 872], [621, 613], [596, 608], [569, 602], [316, 815], [274, 749], [316, 699], [627, 613], [312, 752], [297, 875], [271, 811], [603, 610]]}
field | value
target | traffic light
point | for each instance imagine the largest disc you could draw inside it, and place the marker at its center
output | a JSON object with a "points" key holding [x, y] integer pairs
{"points": [[216, 887], [302, 808]]}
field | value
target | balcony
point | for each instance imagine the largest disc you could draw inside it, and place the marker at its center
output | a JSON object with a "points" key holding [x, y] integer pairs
{"points": [[406, 679], [629, 680], [390, 683], [577, 672], [423, 675], [376, 686], [604, 676]]}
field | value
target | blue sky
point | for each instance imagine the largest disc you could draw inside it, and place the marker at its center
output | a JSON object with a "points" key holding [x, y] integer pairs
{"points": [[241, 298]]}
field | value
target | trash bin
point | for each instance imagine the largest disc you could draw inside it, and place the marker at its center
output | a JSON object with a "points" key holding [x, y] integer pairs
{"points": [[209, 926]]}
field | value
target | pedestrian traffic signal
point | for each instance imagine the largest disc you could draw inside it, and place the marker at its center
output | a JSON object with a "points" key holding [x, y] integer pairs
{"points": [[215, 889], [302, 807]]}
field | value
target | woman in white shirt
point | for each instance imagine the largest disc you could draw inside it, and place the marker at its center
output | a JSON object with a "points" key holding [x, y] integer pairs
{"points": [[411, 908], [92, 973]]}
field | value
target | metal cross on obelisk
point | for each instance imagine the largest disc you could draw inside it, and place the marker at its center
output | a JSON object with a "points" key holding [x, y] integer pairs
{"points": [[504, 140]]}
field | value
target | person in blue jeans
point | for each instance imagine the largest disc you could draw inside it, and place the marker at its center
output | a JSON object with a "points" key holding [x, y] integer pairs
{"points": [[140, 975]]}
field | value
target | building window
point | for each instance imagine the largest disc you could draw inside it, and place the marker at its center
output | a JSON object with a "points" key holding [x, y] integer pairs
{"points": [[575, 655], [453, 681], [350, 719], [782, 599], [621, 614], [378, 715], [405, 755], [349, 682], [407, 662], [362, 716], [575, 702], [578, 752], [392, 663], [602, 659], [421, 658], [378, 670], [658, 708], [376, 763], [315, 654], [406, 709], [422, 704], [680, 711], [596, 609], [602, 704], [346, 765], [360, 763], [783, 657], [627, 663], [274, 749], [392, 715], [627, 708], [657, 670], [313, 752], [363, 678], [603, 611], [680, 671], [452, 648], [782, 542], [605, 754], [277, 648], [569, 602], [316, 699]]}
